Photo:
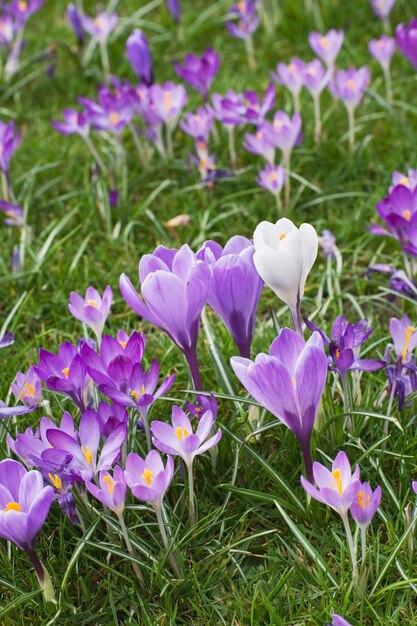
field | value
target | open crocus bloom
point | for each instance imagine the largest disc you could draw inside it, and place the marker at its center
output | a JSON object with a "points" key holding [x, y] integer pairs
{"points": [[284, 255], [147, 478], [338, 487], [364, 507], [112, 490], [327, 46], [404, 335]]}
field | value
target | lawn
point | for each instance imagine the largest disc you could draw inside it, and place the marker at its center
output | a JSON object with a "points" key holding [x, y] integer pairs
{"points": [[261, 552]]}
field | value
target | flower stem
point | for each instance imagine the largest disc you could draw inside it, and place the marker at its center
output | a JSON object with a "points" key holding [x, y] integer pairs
{"points": [[286, 164], [105, 60], [351, 547], [297, 105], [250, 52], [191, 356], [363, 543], [317, 118], [388, 84], [97, 158], [129, 547], [171, 557], [351, 135], [308, 461], [191, 505], [43, 576], [232, 148], [296, 318]]}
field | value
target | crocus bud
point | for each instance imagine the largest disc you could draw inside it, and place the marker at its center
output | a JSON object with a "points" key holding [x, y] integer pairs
{"points": [[139, 56], [74, 19]]}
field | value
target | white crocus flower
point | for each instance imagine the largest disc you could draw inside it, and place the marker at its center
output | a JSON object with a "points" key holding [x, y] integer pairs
{"points": [[284, 255]]}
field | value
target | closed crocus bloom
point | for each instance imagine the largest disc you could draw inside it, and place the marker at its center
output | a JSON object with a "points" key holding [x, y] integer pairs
{"points": [[284, 255], [174, 7], [93, 310], [199, 72], [175, 286], [9, 142], [112, 490], [291, 77], [288, 382], [27, 387], [74, 123], [74, 19], [272, 178], [338, 620], [382, 50], [139, 55], [327, 46], [364, 507], [382, 8], [399, 212], [406, 38], [235, 287]]}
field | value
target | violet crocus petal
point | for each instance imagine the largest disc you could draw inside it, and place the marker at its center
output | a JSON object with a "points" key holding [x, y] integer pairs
{"points": [[111, 449], [135, 302], [204, 425], [189, 446], [63, 442], [350, 493], [338, 620], [367, 365], [11, 475], [180, 419], [287, 348], [39, 510], [165, 435], [163, 447], [14, 527], [9, 411], [210, 443], [310, 373], [89, 433], [312, 491]]}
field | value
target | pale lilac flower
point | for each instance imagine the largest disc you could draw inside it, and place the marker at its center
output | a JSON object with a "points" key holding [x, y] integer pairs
{"points": [[27, 387], [408, 180], [74, 123], [382, 50], [93, 310], [147, 478], [291, 76], [364, 507], [101, 26], [112, 490], [327, 46], [382, 8]]}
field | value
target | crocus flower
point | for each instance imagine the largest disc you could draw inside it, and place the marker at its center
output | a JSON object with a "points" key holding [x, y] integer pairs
{"points": [[291, 76], [64, 372], [285, 133], [175, 286], [382, 8], [350, 86], [382, 50], [168, 100], [27, 387], [327, 241], [243, 19], [256, 109], [199, 72], [112, 490], [204, 403], [288, 382], [198, 125], [139, 56], [229, 109], [85, 461], [284, 255], [235, 287], [404, 335], [179, 440], [399, 212], [24, 507], [6, 340], [315, 79], [75, 123], [261, 143], [409, 180], [174, 7], [7, 30], [93, 310], [273, 179], [364, 507], [109, 417], [13, 212], [9, 141], [147, 478], [23, 9], [327, 46], [10, 411], [101, 26], [406, 38], [75, 21], [338, 620]]}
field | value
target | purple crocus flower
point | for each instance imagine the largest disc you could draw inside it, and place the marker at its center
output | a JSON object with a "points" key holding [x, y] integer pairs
{"points": [[279, 382], [74, 123], [229, 109], [199, 72], [198, 125], [243, 19], [174, 7], [338, 620], [101, 26], [168, 101], [85, 461], [13, 212], [175, 286], [272, 178], [64, 372], [75, 21], [24, 507], [23, 9], [257, 109], [404, 336], [235, 287], [406, 38], [327, 46], [315, 78], [6, 340], [93, 310], [399, 212], [382, 8], [261, 143], [364, 507], [27, 388], [327, 241], [204, 403], [7, 30], [9, 141], [402, 382], [285, 133], [350, 85], [291, 76], [345, 343], [382, 50], [338, 487], [112, 490], [109, 417], [408, 180], [10, 411], [147, 478], [139, 56]]}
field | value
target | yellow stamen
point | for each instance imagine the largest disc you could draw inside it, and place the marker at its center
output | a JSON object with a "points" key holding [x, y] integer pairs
{"points": [[404, 181], [324, 42], [134, 395], [336, 482], [181, 433], [409, 331], [293, 381], [55, 480], [123, 344], [337, 353], [114, 118], [88, 454], [23, 5], [272, 176], [277, 124], [110, 484], [259, 134], [65, 371], [27, 390], [148, 476], [350, 83], [92, 303], [167, 100], [143, 390], [361, 496], [407, 215], [12, 506], [98, 22], [282, 236]]}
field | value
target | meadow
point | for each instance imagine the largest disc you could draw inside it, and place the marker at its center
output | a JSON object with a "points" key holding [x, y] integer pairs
{"points": [[260, 550]]}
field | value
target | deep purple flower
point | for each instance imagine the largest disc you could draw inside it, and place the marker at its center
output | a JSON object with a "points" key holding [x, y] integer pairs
{"points": [[10, 411], [64, 372], [24, 503], [257, 109], [112, 490], [174, 7], [175, 286], [74, 123], [406, 38], [229, 109], [338, 620], [382, 8], [272, 178], [399, 212], [139, 56], [364, 507], [198, 125], [109, 417], [6, 340], [402, 382], [9, 141], [75, 21], [291, 76], [243, 19], [199, 72], [288, 382], [327, 46], [345, 343], [101, 26], [382, 50], [147, 478], [13, 212], [93, 310], [23, 9], [350, 85], [338, 487], [203, 403], [85, 461], [27, 387], [235, 287]]}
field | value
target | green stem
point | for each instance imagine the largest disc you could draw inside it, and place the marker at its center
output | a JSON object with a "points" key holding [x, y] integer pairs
{"points": [[191, 505], [43, 576], [250, 52], [164, 536], [105, 60], [129, 547], [351, 119], [95, 154], [351, 547], [317, 118]]}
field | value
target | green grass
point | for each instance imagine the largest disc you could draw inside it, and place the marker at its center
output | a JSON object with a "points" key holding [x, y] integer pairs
{"points": [[258, 555]]}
